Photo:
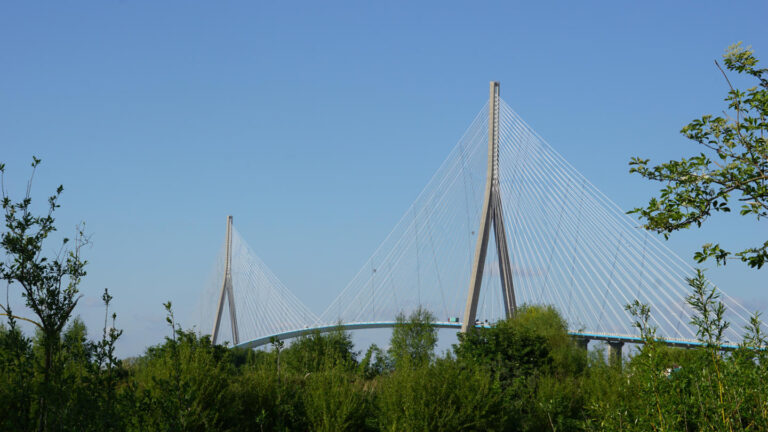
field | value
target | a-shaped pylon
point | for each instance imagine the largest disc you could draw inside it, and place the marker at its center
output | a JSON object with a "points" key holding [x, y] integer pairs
{"points": [[492, 215], [227, 291]]}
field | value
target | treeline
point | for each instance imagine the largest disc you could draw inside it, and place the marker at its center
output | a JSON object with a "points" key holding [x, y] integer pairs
{"points": [[523, 374]]}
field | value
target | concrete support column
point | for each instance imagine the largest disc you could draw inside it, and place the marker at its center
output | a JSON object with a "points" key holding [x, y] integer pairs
{"points": [[582, 342], [615, 348]]}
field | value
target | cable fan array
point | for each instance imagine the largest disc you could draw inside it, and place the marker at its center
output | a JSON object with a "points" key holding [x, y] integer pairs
{"points": [[427, 258], [574, 248], [569, 246]]}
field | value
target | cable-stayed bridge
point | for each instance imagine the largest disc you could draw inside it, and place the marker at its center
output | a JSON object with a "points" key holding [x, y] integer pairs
{"points": [[504, 221]]}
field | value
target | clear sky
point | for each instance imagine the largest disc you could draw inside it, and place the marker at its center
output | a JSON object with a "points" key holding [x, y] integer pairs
{"points": [[316, 124]]}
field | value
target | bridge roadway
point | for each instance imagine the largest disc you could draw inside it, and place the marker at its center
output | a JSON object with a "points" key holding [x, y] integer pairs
{"points": [[607, 337]]}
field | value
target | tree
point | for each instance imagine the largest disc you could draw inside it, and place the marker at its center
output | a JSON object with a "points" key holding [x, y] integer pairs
{"points": [[335, 401], [733, 168], [16, 379], [440, 396], [374, 363], [182, 384], [49, 284], [316, 352], [513, 348], [413, 339]]}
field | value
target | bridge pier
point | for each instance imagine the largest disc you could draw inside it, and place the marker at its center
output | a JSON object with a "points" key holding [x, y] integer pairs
{"points": [[614, 352], [582, 342]]}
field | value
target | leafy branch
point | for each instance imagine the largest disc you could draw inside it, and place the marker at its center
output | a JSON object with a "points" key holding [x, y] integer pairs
{"points": [[732, 171]]}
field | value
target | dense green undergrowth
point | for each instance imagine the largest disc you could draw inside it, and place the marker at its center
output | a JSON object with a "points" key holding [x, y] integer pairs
{"points": [[524, 373]]}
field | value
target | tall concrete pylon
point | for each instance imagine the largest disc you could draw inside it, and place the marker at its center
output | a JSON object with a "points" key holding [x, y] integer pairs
{"points": [[492, 214], [226, 291]]}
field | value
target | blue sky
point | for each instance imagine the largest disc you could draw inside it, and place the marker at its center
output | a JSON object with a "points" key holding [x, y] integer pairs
{"points": [[317, 123]]}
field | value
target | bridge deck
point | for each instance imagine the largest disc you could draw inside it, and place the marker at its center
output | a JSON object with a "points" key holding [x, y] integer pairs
{"points": [[681, 343]]}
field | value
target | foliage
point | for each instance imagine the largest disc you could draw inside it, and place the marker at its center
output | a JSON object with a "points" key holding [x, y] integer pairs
{"points": [[336, 400], [524, 374], [181, 384], [16, 379], [535, 362], [732, 169], [511, 349], [374, 363], [262, 399], [669, 389], [708, 318], [440, 396], [49, 284], [413, 339], [317, 352]]}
